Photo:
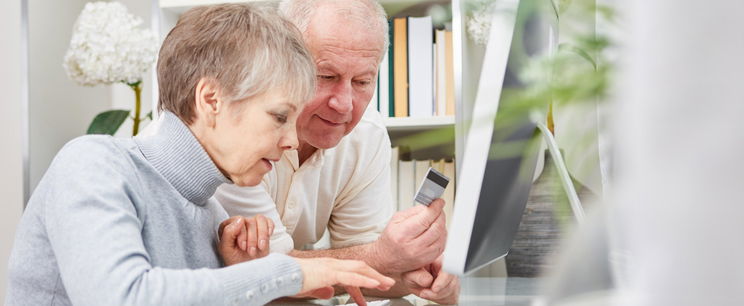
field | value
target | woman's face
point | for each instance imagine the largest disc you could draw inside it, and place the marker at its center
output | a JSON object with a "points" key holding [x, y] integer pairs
{"points": [[250, 135]]}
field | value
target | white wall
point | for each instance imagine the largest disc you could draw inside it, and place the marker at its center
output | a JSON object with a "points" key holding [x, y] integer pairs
{"points": [[59, 109], [11, 176]]}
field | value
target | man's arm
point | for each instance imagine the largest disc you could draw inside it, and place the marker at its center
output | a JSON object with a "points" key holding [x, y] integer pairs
{"points": [[412, 239], [362, 252]]}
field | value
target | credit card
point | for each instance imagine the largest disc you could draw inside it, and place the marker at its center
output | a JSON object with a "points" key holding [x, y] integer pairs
{"points": [[432, 187]]}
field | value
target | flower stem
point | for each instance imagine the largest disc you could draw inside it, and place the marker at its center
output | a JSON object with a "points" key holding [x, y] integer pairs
{"points": [[137, 106], [551, 123]]}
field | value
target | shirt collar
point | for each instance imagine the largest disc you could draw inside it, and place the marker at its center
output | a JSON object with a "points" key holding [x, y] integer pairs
{"points": [[294, 158], [179, 157]]}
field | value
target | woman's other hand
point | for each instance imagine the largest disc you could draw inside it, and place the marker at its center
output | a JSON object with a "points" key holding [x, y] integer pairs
{"points": [[321, 274], [243, 239]]}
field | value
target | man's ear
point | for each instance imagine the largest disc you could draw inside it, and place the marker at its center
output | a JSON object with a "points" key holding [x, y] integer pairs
{"points": [[208, 101]]}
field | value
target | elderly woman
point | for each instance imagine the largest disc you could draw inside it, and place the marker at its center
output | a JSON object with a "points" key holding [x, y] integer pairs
{"points": [[130, 221]]}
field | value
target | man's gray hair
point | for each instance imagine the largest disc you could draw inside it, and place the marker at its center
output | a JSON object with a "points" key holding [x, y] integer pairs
{"points": [[247, 48], [367, 12]]}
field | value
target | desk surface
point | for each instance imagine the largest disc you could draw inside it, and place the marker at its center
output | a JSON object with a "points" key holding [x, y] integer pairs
{"points": [[475, 291]]}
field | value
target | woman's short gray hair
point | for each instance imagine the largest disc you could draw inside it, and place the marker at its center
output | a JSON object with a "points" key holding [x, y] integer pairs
{"points": [[369, 12], [247, 48]]}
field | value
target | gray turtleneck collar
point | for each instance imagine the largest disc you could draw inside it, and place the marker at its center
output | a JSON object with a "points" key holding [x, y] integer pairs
{"points": [[179, 157]]}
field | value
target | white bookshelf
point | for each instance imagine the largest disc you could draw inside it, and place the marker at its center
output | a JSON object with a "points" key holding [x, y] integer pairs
{"points": [[424, 123], [169, 10]]}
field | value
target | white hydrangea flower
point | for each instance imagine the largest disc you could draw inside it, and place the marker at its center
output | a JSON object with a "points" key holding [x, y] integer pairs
{"points": [[108, 47], [479, 23]]}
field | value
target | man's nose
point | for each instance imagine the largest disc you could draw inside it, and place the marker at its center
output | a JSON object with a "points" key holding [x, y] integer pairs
{"points": [[341, 101]]}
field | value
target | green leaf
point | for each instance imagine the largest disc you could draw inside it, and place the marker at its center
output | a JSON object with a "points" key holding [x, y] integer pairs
{"points": [[108, 122], [579, 51], [563, 6]]}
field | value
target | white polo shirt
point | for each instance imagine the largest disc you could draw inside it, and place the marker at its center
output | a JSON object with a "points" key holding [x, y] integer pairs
{"points": [[345, 189]]}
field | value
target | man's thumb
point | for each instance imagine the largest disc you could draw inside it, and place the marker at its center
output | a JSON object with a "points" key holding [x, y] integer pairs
{"points": [[419, 278]]}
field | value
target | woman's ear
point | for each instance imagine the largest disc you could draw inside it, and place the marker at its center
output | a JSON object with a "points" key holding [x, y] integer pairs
{"points": [[208, 101]]}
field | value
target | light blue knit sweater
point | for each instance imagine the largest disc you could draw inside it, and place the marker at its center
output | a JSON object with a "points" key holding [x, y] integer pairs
{"points": [[130, 222]]}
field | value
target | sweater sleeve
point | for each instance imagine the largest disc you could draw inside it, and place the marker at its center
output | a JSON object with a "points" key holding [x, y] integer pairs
{"points": [[95, 232]]}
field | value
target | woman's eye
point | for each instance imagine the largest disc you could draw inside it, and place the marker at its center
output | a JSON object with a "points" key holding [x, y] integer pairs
{"points": [[280, 118]]}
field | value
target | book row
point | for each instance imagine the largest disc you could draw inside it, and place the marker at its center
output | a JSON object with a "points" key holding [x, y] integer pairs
{"points": [[416, 77], [407, 175]]}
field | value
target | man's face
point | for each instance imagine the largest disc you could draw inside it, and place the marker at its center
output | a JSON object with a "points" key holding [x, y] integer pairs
{"points": [[346, 56]]}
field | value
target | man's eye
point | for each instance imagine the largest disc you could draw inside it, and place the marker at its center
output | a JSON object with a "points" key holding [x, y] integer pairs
{"points": [[326, 77], [363, 83]]}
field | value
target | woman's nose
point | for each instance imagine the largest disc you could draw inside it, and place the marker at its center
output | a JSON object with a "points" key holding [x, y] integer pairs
{"points": [[289, 140]]}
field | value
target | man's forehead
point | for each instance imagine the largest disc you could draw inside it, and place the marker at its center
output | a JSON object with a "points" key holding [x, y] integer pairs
{"points": [[351, 59], [334, 44], [333, 47], [329, 23], [349, 11]]}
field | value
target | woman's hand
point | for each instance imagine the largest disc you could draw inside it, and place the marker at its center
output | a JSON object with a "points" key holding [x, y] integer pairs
{"points": [[321, 274], [243, 239]]}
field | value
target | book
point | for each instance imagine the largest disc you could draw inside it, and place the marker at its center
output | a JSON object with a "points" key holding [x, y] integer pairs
{"points": [[440, 84], [391, 62], [400, 66], [420, 70], [421, 167], [434, 79], [383, 83], [438, 165], [449, 74], [407, 175], [406, 183], [375, 101]]}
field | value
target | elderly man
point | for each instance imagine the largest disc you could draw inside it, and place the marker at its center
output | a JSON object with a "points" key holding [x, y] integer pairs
{"points": [[339, 178]]}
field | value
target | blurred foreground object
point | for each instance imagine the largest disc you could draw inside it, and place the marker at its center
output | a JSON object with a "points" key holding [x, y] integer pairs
{"points": [[672, 234]]}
